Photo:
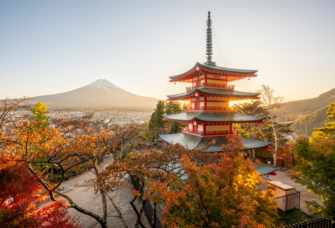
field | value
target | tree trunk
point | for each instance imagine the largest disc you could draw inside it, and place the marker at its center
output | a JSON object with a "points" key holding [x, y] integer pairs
{"points": [[276, 142], [292, 157], [117, 210], [102, 193]]}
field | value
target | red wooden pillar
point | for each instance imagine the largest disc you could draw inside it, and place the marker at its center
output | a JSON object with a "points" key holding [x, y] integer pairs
{"points": [[204, 129], [231, 127], [205, 100]]}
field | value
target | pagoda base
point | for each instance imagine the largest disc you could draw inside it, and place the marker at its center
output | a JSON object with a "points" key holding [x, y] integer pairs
{"points": [[197, 142]]}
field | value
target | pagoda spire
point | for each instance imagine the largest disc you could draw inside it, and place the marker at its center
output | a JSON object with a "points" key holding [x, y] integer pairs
{"points": [[209, 41]]}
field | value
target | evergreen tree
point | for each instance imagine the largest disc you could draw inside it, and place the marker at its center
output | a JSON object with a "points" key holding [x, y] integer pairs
{"points": [[156, 120], [174, 107]]}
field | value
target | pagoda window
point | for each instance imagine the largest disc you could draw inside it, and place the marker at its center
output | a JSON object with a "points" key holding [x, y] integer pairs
{"points": [[190, 126], [200, 128], [202, 105], [202, 77]]}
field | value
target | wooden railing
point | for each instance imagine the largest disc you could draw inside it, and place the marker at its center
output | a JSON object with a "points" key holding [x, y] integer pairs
{"points": [[207, 133], [210, 85], [209, 109]]}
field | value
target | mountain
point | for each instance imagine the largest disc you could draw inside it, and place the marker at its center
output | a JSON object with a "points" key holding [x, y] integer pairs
{"points": [[307, 123], [100, 94], [307, 106]]}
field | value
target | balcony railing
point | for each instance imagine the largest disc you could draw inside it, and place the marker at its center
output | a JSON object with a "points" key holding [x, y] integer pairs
{"points": [[209, 109], [210, 85], [210, 133]]}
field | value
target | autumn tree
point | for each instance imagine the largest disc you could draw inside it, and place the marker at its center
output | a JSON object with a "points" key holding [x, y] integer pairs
{"points": [[328, 131], [263, 131], [20, 193], [315, 169], [272, 103], [71, 144], [39, 114], [223, 184]]}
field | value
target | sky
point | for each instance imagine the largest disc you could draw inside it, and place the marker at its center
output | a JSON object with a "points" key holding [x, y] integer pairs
{"points": [[49, 47]]}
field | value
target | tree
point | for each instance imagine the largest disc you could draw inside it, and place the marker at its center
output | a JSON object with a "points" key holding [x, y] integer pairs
{"points": [[19, 196], [174, 107], [315, 169], [227, 183], [156, 120], [71, 144], [272, 104], [328, 131], [39, 114], [220, 195], [262, 131]]}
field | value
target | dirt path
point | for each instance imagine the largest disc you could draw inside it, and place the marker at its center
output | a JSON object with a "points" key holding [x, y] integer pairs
{"points": [[86, 198]]}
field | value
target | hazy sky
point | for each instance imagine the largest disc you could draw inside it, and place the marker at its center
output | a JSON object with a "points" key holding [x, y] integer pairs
{"points": [[49, 47]]}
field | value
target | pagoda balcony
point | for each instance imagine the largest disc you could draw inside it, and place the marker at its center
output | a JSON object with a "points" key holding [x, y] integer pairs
{"points": [[212, 109], [210, 85], [209, 133]]}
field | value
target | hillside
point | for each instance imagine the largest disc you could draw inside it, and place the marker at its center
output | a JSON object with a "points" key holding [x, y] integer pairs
{"points": [[99, 95], [311, 121], [311, 105]]}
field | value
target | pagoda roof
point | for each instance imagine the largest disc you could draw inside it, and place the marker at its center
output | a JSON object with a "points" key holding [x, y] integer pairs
{"points": [[197, 142], [213, 117], [216, 92], [204, 68]]}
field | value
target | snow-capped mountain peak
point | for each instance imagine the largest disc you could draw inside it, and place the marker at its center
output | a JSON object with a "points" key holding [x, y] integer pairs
{"points": [[104, 84]]}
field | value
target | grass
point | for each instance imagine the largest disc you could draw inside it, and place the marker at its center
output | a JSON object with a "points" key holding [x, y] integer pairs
{"points": [[294, 216]]}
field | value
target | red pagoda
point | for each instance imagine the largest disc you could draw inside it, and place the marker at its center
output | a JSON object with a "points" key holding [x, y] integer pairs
{"points": [[208, 115]]}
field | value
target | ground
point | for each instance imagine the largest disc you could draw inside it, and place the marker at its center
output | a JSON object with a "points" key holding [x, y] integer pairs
{"points": [[86, 198]]}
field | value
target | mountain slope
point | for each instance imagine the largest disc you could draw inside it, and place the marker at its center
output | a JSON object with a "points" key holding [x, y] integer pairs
{"points": [[100, 93], [311, 121], [301, 107]]}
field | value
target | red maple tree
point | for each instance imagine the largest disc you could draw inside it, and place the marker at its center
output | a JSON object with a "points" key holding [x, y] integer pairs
{"points": [[19, 196]]}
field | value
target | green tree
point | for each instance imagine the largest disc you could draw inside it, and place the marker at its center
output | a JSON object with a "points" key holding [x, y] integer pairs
{"points": [[328, 131], [156, 120], [39, 114], [315, 169], [174, 107]]}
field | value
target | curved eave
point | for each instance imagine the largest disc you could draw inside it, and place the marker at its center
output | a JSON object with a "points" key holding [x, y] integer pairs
{"points": [[216, 92], [214, 117], [196, 142], [230, 72]]}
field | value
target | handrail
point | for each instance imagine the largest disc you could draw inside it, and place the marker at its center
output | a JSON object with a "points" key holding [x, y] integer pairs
{"points": [[208, 109]]}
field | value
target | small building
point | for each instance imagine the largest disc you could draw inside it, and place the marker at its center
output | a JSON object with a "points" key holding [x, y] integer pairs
{"points": [[285, 196]]}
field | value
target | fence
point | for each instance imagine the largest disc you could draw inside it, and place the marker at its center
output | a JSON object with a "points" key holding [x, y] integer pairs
{"points": [[148, 206], [288, 202], [316, 223]]}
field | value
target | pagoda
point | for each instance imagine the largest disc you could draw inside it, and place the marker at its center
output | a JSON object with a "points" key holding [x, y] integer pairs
{"points": [[208, 115]]}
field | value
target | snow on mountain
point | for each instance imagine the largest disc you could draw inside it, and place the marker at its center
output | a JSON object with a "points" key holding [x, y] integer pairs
{"points": [[104, 84], [98, 93]]}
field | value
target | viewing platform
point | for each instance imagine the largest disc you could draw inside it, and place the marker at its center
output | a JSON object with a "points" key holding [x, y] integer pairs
{"points": [[209, 133], [211, 109], [210, 85]]}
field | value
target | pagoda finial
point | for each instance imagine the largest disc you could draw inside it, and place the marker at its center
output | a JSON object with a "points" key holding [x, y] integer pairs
{"points": [[209, 41]]}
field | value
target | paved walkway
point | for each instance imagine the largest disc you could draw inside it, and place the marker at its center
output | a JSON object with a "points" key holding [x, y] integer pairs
{"points": [[304, 194], [86, 198]]}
